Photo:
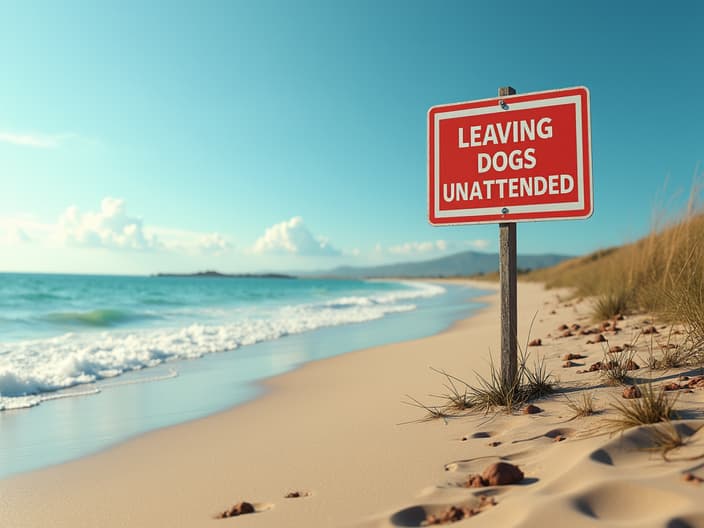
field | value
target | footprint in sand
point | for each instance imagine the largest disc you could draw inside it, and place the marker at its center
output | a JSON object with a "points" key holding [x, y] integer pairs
{"points": [[478, 434], [555, 435], [628, 501], [636, 447]]}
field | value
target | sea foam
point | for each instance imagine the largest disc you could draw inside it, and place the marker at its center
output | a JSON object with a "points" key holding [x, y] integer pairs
{"points": [[32, 371]]}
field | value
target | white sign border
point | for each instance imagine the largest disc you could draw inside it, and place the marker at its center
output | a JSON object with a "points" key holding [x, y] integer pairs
{"points": [[464, 216]]}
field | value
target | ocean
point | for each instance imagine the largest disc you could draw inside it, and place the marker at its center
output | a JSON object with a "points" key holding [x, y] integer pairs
{"points": [[88, 361]]}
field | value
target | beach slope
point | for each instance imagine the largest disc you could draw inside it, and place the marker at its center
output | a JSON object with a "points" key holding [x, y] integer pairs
{"points": [[334, 432]]}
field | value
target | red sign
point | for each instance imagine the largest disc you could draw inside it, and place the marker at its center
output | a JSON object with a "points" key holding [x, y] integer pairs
{"points": [[510, 159]]}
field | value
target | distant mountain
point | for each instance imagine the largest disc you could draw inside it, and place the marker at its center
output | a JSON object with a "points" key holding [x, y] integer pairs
{"points": [[459, 264]]}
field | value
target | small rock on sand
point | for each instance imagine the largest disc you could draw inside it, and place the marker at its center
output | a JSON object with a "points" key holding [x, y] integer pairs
{"points": [[631, 392], [672, 386], [536, 342], [475, 481], [598, 339], [240, 508], [567, 357], [691, 477], [296, 494], [502, 474], [531, 409]]}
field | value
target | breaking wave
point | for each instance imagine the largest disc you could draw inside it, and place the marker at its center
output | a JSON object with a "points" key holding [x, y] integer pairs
{"points": [[32, 371]]}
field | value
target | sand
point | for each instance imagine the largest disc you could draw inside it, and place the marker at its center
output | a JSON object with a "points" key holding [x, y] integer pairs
{"points": [[333, 431]]}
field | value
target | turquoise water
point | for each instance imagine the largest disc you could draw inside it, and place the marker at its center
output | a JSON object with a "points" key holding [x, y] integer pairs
{"points": [[86, 362]]}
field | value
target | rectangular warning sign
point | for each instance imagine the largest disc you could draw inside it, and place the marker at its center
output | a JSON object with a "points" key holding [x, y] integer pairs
{"points": [[510, 159]]}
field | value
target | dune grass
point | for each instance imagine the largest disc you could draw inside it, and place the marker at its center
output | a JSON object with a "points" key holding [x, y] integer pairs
{"points": [[652, 407], [582, 405], [663, 274], [532, 381]]}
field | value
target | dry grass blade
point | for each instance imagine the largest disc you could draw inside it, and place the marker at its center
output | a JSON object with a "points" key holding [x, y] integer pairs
{"points": [[662, 273], [652, 407], [616, 367], [495, 392], [582, 406], [538, 381], [529, 384], [458, 395], [432, 412], [666, 437], [610, 304]]}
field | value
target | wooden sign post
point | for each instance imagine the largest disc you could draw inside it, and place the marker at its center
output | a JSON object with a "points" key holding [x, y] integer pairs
{"points": [[511, 158], [509, 297]]}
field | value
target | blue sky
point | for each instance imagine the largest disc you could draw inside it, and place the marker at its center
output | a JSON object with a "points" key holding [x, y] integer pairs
{"points": [[138, 137]]}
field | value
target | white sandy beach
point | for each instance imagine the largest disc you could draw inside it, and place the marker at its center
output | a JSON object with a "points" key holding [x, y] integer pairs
{"points": [[332, 429]]}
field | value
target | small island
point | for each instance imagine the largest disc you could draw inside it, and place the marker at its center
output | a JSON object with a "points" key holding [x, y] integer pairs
{"points": [[217, 275]]}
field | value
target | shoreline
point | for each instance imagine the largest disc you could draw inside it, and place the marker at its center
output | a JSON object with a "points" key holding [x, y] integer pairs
{"points": [[212, 370], [331, 429], [112, 464]]}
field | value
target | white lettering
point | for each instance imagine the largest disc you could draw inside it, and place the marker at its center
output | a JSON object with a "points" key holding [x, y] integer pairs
{"points": [[503, 133], [476, 191], [460, 140], [515, 161], [553, 183], [501, 183], [487, 185], [490, 135], [565, 180], [544, 130], [461, 191], [526, 186], [540, 186], [474, 133], [529, 158], [528, 130], [500, 155], [484, 162], [513, 188]]}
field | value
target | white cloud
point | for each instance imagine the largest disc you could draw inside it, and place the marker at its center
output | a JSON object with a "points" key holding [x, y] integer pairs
{"points": [[213, 244], [479, 244], [34, 140], [15, 235], [418, 247], [436, 246], [293, 237], [111, 227]]}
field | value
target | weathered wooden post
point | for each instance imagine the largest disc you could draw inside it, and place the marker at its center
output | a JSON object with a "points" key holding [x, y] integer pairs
{"points": [[507, 277]]}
